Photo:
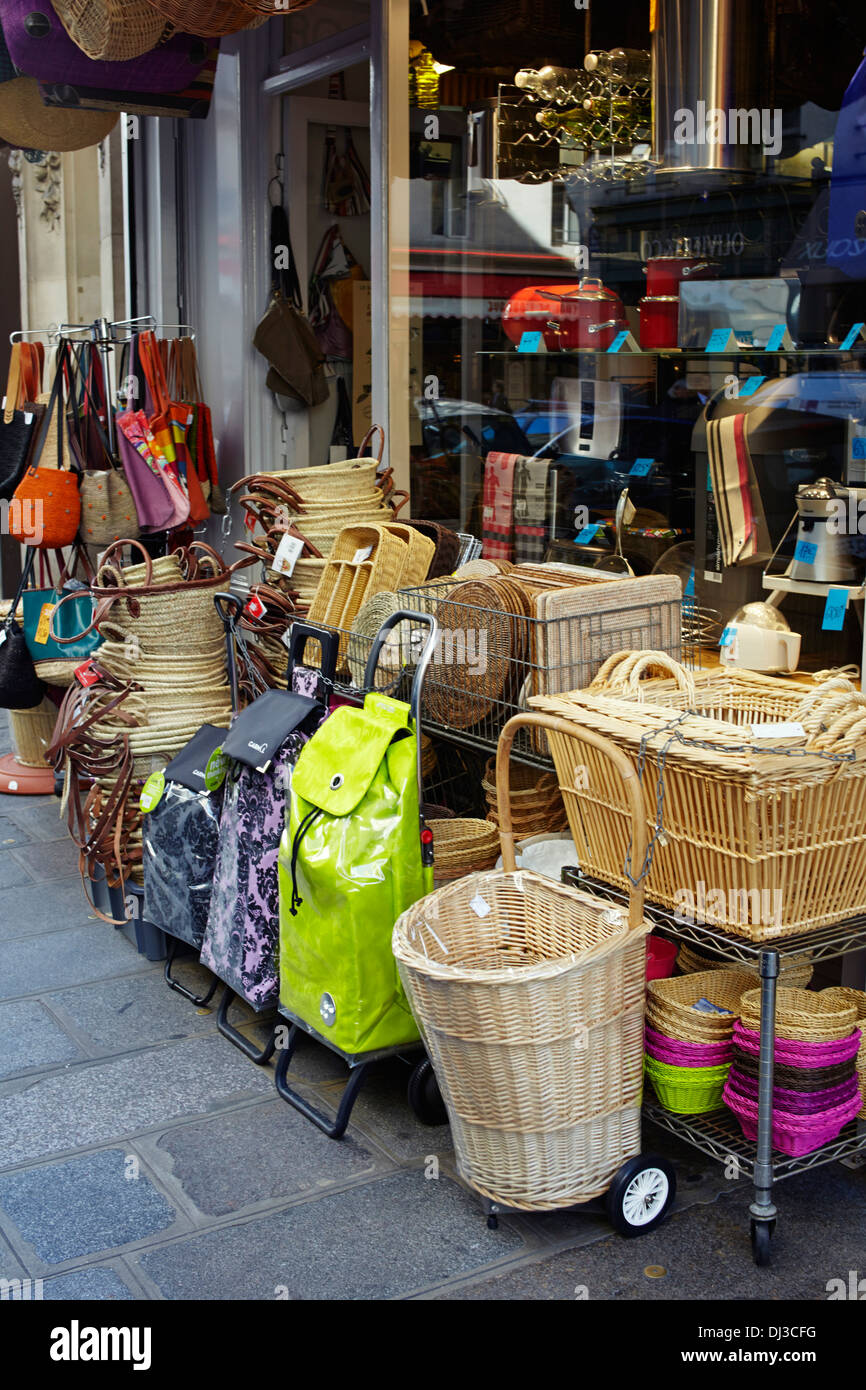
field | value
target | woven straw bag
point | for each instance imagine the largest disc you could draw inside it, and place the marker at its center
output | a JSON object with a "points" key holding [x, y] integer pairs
{"points": [[107, 508], [115, 30], [212, 18]]}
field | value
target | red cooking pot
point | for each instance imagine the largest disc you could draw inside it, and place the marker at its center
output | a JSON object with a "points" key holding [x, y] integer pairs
{"points": [[664, 274], [659, 321], [585, 315]]}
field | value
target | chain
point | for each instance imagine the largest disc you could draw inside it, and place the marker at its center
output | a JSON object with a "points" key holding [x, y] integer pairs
{"points": [[659, 835]]}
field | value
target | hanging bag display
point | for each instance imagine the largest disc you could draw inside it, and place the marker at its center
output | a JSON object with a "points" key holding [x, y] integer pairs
{"points": [[180, 835], [240, 942], [20, 687], [168, 422], [353, 857], [48, 501]]}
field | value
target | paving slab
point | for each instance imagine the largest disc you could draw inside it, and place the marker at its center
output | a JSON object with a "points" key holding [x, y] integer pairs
{"points": [[379, 1240], [51, 959], [28, 910], [382, 1111], [49, 861], [12, 834], [99, 1102], [10, 1266], [40, 818], [121, 1014], [83, 1285], [258, 1154], [30, 1037], [705, 1253], [12, 873], [65, 1211]]}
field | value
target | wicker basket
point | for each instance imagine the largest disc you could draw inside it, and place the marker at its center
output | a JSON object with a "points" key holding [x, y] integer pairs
{"points": [[529, 996], [795, 971], [802, 1016], [856, 997], [463, 846], [31, 731], [670, 1005], [347, 582], [770, 832], [687, 1090]]}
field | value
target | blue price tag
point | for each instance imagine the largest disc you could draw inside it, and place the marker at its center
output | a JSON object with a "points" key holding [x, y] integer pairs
{"points": [[618, 341], [641, 467], [709, 480], [858, 448], [588, 534], [776, 338], [727, 637], [529, 342], [805, 552], [718, 339], [750, 386], [852, 337], [834, 610], [690, 587]]}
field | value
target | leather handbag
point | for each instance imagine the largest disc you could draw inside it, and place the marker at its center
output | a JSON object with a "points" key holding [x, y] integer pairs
{"points": [[75, 616], [20, 687], [20, 420], [48, 500]]}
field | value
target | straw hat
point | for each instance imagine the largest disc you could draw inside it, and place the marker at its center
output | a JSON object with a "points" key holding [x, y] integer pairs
{"points": [[30, 125], [112, 29]]}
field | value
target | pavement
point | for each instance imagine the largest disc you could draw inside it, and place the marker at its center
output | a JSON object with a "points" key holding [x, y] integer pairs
{"points": [[142, 1156]]}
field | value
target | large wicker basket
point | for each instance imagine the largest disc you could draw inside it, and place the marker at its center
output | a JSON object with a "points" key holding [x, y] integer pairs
{"points": [[760, 836], [530, 998]]}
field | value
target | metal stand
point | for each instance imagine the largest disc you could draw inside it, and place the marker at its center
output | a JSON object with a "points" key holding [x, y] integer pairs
{"points": [[172, 983], [336, 1128], [258, 1055], [762, 1210]]}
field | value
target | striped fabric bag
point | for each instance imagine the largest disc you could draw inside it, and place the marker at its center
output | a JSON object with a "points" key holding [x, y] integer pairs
{"points": [[531, 515], [497, 524]]}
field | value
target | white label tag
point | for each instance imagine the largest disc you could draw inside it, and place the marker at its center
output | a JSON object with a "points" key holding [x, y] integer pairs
{"points": [[778, 731], [287, 554], [712, 577], [361, 555], [28, 417], [3, 636], [479, 906]]}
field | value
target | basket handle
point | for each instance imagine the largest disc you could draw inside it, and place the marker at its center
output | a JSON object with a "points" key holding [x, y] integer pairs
{"points": [[624, 669], [550, 724]]}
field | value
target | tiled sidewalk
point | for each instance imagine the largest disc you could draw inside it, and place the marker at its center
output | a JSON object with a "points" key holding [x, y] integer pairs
{"points": [[142, 1156]]}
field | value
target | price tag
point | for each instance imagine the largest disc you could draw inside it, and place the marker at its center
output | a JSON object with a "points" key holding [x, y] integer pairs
{"points": [[215, 770], [779, 338], [721, 340], [778, 731], [750, 386], [619, 341], [254, 607], [361, 555], [3, 635], [151, 792], [480, 906], [727, 637], [857, 331], [641, 468], [834, 610], [44, 624], [250, 522], [530, 342], [690, 587], [588, 534], [858, 447], [28, 417], [287, 554], [805, 552], [85, 674]]}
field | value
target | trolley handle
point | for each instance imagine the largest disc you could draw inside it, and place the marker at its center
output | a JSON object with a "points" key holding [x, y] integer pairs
{"points": [[552, 724]]}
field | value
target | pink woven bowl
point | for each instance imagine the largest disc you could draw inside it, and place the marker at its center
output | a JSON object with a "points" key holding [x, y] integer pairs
{"points": [[794, 1136], [796, 1102], [687, 1054], [800, 1054]]}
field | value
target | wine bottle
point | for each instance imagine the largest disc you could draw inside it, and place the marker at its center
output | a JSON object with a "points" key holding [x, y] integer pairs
{"points": [[620, 64]]}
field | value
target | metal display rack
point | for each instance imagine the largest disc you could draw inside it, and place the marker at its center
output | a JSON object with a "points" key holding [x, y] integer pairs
{"points": [[717, 1133]]}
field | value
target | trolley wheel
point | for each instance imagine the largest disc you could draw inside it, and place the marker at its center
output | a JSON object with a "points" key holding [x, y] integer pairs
{"points": [[640, 1194], [762, 1235], [425, 1098]]}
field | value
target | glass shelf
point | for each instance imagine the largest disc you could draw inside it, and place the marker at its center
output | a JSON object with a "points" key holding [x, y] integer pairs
{"points": [[682, 353]]}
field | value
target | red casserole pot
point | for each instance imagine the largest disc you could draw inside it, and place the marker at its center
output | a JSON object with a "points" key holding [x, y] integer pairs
{"points": [[585, 315], [659, 321], [664, 274]]}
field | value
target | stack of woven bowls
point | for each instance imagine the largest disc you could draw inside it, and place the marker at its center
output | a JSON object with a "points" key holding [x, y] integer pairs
{"points": [[463, 846], [857, 997], [688, 1045], [795, 970], [816, 1090], [536, 801]]}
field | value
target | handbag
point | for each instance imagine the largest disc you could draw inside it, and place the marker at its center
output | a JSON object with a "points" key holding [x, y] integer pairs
{"points": [[334, 264], [169, 423], [20, 687], [75, 616], [48, 496], [154, 503], [284, 336], [20, 421]]}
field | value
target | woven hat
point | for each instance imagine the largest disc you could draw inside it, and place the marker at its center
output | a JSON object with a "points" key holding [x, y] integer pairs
{"points": [[211, 18], [29, 125], [115, 30]]}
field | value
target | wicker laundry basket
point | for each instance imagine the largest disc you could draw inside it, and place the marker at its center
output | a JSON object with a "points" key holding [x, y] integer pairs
{"points": [[530, 999], [757, 834]]}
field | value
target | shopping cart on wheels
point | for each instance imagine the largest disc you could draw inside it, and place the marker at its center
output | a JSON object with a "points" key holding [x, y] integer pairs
{"points": [[530, 999], [309, 953]]}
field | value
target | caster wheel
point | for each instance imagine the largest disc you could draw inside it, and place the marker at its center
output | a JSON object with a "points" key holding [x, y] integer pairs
{"points": [[493, 1222], [640, 1194], [762, 1235], [425, 1098]]}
